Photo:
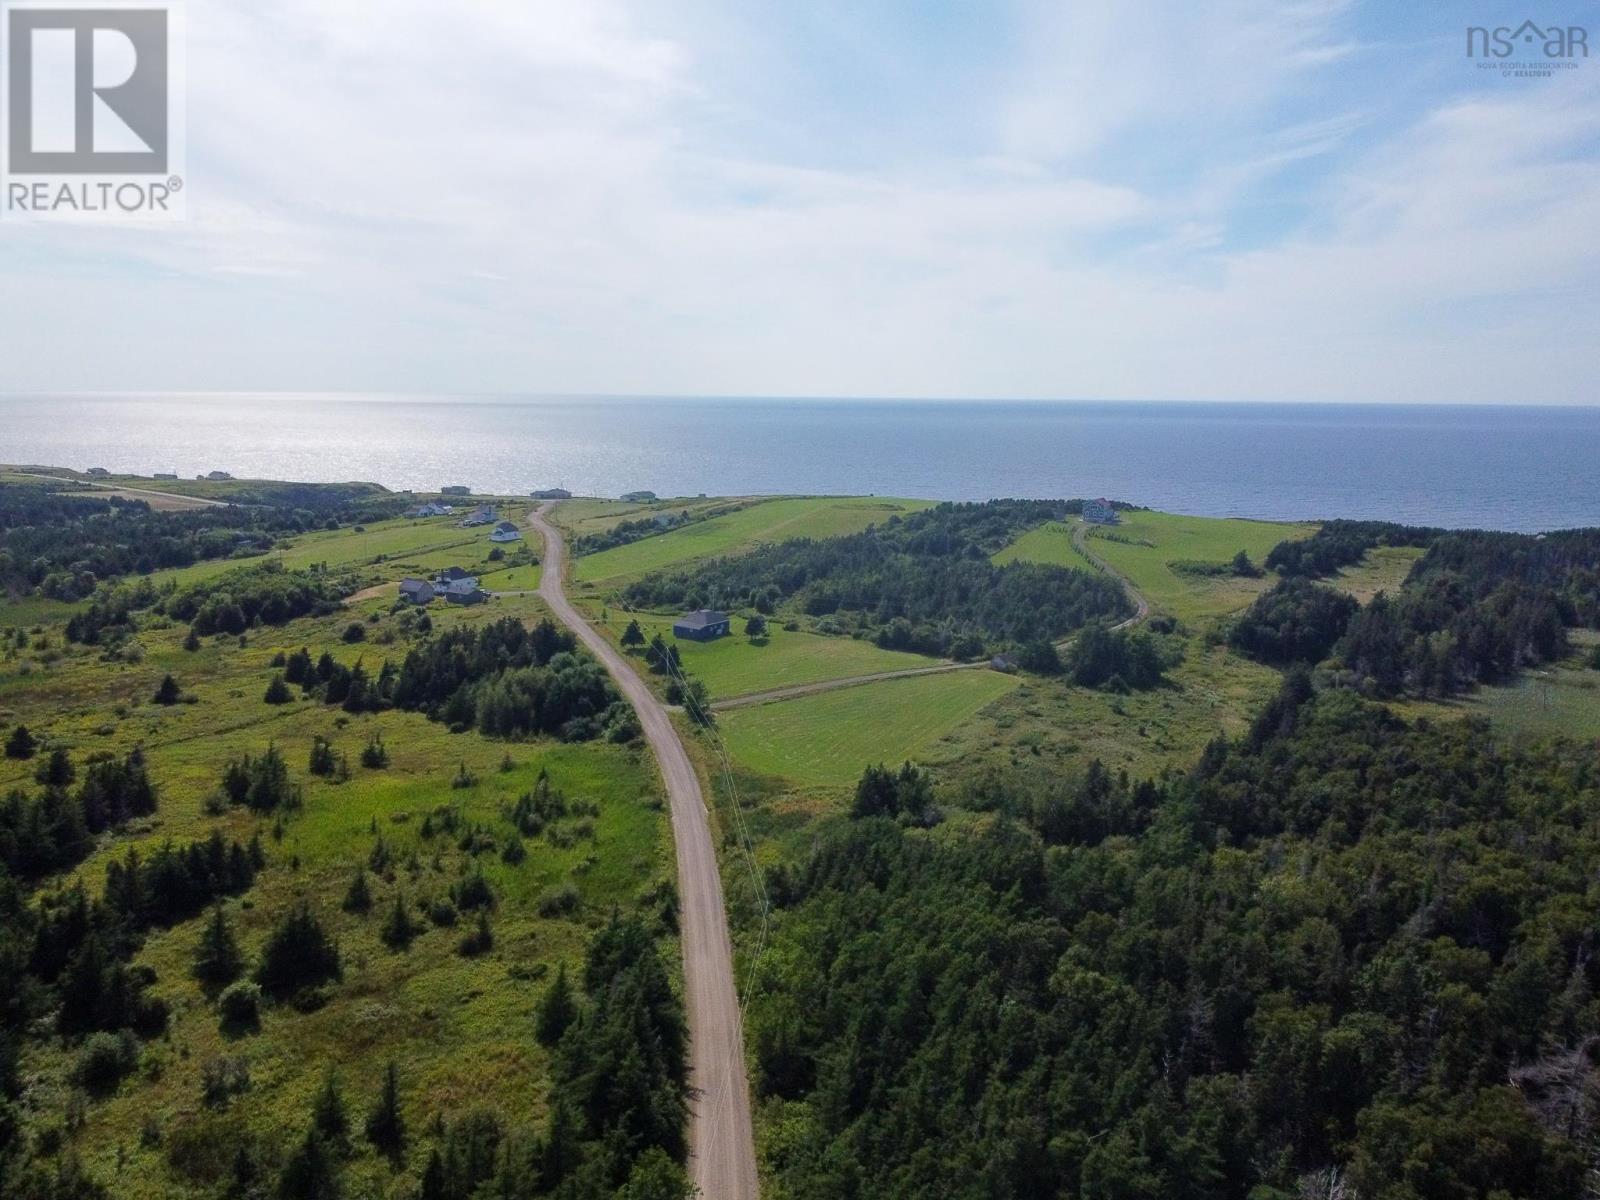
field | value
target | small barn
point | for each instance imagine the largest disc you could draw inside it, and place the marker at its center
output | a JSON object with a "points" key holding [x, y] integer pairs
{"points": [[1100, 512], [418, 591], [702, 625]]}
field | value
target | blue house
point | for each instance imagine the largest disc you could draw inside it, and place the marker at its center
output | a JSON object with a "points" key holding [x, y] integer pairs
{"points": [[1100, 512], [702, 625]]}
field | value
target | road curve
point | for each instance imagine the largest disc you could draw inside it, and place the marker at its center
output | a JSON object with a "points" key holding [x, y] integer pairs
{"points": [[722, 1159], [1079, 539]]}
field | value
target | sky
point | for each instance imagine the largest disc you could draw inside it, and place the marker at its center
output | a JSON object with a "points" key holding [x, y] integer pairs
{"points": [[1299, 200]]}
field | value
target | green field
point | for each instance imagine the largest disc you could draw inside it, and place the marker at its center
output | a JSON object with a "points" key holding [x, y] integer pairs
{"points": [[1384, 569], [460, 1028], [1146, 544], [736, 666], [827, 738], [390, 549], [769, 521]]}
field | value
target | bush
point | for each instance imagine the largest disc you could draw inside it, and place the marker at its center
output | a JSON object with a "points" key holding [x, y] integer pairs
{"points": [[375, 755], [240, 1005], [480, 940], [560, 901], [104, 1059], [355, 632], [443, 913]]}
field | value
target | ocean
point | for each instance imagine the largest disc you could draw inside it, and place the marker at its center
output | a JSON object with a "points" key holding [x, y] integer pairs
{"points": [[1519, 468]]}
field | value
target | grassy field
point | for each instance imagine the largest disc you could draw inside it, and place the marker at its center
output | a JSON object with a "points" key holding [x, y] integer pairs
{"points": [[1145, 546], [736, 666], [826, 739], [1052, 722], [460, 1028], [1383, 570], [1557, 701], [768, 521], [392, 548]]}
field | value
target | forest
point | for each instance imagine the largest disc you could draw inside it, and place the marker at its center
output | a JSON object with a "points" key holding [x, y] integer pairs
{"points": [[1476, 608], [922, 582], [1345, 956]]}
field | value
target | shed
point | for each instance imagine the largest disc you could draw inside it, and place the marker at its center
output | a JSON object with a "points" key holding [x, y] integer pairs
{"points": [[418, 591], [702, 625]]}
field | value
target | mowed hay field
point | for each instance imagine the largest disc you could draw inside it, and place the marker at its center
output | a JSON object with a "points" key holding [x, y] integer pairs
{"points": [[1146, 544], [737, 666], [460, 1028], [825, 739], [768, 521]]}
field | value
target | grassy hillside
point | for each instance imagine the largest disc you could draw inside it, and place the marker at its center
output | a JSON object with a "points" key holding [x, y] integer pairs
{"points": [[1146, 546], [460, 1028], [826, 739], [768, 521]]}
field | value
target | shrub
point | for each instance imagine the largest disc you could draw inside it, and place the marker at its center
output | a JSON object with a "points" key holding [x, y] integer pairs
{"points": [[355, 632], [104, 1059], [480, 940], [560, 901], [240, 1005], [375, 755], [442, 913]]}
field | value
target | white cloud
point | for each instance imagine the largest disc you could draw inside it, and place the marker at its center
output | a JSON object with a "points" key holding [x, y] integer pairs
{"points": [[536, 197]]}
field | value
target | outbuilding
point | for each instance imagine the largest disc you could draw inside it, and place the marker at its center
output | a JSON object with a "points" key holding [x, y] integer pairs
{"points": [[418, 591]]}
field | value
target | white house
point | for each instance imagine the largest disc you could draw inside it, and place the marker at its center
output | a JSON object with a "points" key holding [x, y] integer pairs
{"points": [[505, 532]]}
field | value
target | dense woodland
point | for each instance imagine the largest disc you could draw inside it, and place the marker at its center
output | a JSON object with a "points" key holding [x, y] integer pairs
{"points": [[1476, 608], [1344, 957], [922, 582]]}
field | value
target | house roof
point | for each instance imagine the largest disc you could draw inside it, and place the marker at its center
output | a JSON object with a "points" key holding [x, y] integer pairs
{"points": [[505, 527], [461, 587], [701, 618], [414, 585]]}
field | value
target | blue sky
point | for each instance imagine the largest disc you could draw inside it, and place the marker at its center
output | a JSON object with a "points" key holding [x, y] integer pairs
{"points": [[1304, 200]]}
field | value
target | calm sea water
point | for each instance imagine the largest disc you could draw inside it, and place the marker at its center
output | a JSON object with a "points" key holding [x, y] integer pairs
{"points": [[1506, 468]]}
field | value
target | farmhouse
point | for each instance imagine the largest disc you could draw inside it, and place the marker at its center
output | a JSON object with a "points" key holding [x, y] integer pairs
{"points": [[483, 516], [165, 475], [216, 476], [1100, 512], [638, 497], [97, 472], [418, 591], [464, 591], [455, 489], [505, 532], [702, 625], [551, 494], [451, 574], [430, 510]]}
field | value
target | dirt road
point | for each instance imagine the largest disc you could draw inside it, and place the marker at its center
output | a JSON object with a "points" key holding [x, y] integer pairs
{"points": [[722, 1160], [1080, 540], [829, 685]]}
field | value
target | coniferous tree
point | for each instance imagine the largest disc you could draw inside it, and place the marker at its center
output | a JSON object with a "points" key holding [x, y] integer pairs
{"points": [[386, 1127], [191, 641], [168, 692], [217, 961], [633, 635], [298, 953], [21, 743], [310, 1172], [278, 691], [328, 1115], [56, 771], [358, 897], [558, 1009], [399, 931]]}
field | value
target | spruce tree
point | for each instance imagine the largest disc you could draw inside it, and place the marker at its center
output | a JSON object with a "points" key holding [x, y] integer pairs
{"points": [[21, 743], [191, 641], [398, 930], [358, 898], [386, 1128], [217, 961], [633, 635], [169, 692], [328, 1115], [310, 1173], [278, 691], [557, 1010]]}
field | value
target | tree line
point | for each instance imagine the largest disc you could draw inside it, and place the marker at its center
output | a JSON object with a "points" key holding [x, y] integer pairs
{"points": [[922, 582]]}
